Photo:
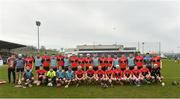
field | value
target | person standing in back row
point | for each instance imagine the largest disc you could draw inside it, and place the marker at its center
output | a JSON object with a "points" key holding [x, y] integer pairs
{"points": [[20, 64], [131, 61], [11, 68]]}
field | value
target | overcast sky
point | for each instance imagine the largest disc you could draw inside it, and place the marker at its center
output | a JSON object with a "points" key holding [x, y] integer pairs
{"points": [[67, 23]]}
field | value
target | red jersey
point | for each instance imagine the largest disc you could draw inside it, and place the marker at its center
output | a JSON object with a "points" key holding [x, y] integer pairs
{"points": [[139, 61], [102, 61], [156, 60], [109, 73], [41, 72], [46, 61], [123, 62], [60, 60], [109, 61], [79, 73], [100, 73], [81, 62], [88, 61], [136, 72], [29, 62], [127, 73], [117, 73], [144, 71], [74, 61], [90, 73]]}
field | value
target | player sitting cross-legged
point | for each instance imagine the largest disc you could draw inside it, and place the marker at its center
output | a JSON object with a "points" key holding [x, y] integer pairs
{"points": [[28, 77], [69, 77], [100, 75], [117, 75], [41, 76], [155, 73], [51, 77], [128, 76], [136, 76], [79, 76], [109, 76], [145, 75], [90, 75], [60, 77]]}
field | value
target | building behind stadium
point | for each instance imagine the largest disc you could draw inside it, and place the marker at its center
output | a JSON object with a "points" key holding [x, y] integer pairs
{"points": [[101, 49]]}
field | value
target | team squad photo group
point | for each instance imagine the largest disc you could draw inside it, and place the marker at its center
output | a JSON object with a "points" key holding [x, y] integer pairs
{"points": [[90, 69]]}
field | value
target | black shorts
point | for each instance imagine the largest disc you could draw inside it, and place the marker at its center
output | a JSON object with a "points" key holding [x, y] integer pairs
{"points": [[123, 69], [74, 69], [55, 68], [131, 67], [139, 67], [95, 68], [46, 68], [19, 69], [104, 68], [66, 68], [37, 67]]}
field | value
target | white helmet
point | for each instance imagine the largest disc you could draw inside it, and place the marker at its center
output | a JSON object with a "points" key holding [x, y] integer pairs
{"points": [[19, 55]]}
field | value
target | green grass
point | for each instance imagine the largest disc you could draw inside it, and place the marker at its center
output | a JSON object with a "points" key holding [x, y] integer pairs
{"points": [[170, 71]]}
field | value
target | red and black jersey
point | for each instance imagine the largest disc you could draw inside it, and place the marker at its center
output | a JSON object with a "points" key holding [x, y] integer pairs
{"points": [[109, 61], [74, 61], [156, 60], [123, 62], [79, 73], [81, 61], [100, 73], [144, 71], [117, 73], [109, 73], [29, 62], [46, 61], [88, 61], [90, 73], [139, 61], [60, 60], [127, 73], [136, 72], [41, 72], [102, 61]]}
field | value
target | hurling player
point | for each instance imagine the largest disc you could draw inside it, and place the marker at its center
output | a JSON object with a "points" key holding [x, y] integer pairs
{"points": [[69, 77], [136, 76], [79, 76], [145, 74], [109, 76], [117, 75], [60, 76], [128, 75], [100, 75], [90, 75], [41, 76], [28, 77]]}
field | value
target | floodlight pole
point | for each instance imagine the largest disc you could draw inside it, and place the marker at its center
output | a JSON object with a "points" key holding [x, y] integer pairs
{"points": [[38, 23]]}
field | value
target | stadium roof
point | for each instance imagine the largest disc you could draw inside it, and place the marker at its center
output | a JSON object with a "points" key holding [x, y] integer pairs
{"points": [[10, 45]]}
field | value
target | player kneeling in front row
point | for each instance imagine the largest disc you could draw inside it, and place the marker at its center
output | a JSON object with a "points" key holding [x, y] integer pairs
{"points": [[69, 77], [109, 76], [90, 75], [136, 76], [128, 76], [41, 76], [100, 75], [60, 79], [79, 76], [117, 76], [155, 73], [145, 75], [51, 77], [28, 77]]}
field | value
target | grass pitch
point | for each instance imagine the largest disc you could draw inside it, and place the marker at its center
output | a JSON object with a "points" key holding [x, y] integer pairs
{"points": [[171, 72]]}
